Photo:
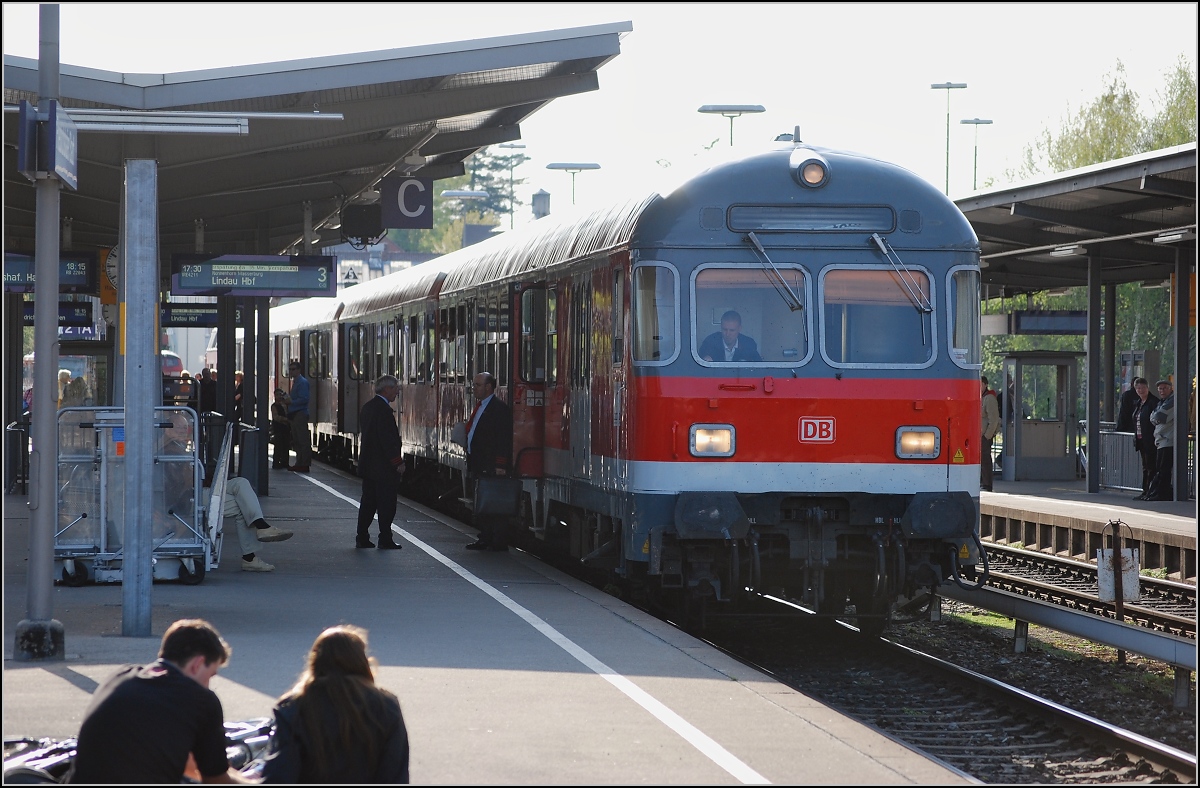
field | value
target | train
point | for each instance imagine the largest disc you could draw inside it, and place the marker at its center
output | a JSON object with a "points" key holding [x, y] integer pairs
{"points": [[836, 467]]}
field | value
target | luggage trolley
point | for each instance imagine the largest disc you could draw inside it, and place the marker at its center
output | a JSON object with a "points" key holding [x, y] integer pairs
{"points": [[90, 505]]}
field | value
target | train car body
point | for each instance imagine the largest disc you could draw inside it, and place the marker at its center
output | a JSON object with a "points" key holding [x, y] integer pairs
{"points": [[838, 467]]}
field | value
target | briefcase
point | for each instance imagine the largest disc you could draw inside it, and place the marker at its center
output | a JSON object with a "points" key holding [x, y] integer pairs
{"points": [[497, 496]]}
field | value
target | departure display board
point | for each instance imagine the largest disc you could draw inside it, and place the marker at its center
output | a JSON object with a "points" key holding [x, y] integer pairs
{"points": [[77, 273], [253, 275], [70, 313], [177, 315]]}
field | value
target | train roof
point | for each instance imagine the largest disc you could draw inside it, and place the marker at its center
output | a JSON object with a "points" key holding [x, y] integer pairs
{"points": [[546, 241], [411, 284], [305, 313]]}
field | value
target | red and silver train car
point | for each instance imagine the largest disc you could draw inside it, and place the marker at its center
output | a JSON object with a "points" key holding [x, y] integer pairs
{"points": [[837, 465]]}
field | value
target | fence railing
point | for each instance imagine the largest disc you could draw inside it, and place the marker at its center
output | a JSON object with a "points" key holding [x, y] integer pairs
{"points": [[1121, 466]]}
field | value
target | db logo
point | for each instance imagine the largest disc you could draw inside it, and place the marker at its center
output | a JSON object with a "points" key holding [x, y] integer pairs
{"points": [[816, 430]]}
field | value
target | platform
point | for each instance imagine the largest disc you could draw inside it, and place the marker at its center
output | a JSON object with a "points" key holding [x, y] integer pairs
{"points": [[508, 671], [1062, 518]]}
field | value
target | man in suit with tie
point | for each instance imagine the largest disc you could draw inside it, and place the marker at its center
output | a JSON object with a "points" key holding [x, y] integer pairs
{"points": [[729, 344], [380, 464], [489, 453]]}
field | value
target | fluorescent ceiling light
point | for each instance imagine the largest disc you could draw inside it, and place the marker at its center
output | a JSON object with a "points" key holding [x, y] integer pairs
{"points": [[1068, 251], [1174, 236]]}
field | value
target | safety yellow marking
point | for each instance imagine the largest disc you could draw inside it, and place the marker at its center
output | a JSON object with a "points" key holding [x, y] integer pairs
{"points": [[646, 547], [963, 552], [958, 456]]}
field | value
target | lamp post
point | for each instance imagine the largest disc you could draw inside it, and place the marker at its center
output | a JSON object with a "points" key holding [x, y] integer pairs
{"points": [[574, 168], [512, 197], [948, 86], [731, 111], [976, 122]]}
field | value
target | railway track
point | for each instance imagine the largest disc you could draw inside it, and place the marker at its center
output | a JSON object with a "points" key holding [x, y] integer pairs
{"points": [[1164, 605], [987, 729]]}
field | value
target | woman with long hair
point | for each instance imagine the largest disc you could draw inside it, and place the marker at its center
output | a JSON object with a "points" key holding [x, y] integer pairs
{"points": [[335, 725]]}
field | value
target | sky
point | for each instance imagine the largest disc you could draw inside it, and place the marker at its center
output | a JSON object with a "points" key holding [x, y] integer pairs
{"points": [[855, 76]]}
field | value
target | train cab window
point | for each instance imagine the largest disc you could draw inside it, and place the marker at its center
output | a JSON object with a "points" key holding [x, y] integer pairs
{"points": [[963, 312], [551, 335], [533, 335], [768, 306], [872, 317], [655, 320]]}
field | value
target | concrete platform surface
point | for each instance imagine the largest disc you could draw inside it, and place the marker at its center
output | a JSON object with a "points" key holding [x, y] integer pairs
{"points": [[508, 671]]}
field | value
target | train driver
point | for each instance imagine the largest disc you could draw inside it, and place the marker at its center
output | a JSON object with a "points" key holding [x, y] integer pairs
{"points": [[729, 344]]}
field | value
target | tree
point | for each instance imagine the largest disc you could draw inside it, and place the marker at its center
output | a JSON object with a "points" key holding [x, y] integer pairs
{"points": [[1109, 127]]}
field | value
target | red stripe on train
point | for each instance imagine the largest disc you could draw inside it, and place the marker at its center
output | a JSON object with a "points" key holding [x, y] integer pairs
{"points": [[804, 419]]}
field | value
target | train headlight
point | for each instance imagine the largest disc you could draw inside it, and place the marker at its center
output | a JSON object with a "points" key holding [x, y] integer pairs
{"points": [[918, 443], [711, 440], [809, 168]]}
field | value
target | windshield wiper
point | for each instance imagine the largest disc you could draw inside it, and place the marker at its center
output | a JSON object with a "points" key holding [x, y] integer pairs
{"points": [[907, 278], [789, 296]]}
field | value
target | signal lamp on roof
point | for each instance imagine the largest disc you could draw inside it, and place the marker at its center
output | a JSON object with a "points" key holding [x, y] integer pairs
{"points": [[809, 169]]}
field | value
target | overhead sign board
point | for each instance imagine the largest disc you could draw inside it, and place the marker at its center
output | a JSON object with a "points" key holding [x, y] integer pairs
{"points": [[1049, 322], [77, 273], [62, 145], [406, 202], [193, 316], [253, 275], [70, 313]]}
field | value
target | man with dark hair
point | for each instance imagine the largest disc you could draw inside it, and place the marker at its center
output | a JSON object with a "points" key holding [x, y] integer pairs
{"points": [[298, 416], [145, 723], [380, 464], [1163, 419], [489, 453], [1143, 434], [729, 344], [990, 423]]}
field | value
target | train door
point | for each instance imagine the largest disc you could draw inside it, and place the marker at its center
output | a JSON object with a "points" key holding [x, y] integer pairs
{"points": [[348, 378], [528, 387], [580, 406]]}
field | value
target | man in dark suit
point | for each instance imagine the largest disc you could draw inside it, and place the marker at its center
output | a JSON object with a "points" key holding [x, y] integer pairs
{"points": [[729, 344], [380, 464], [1143, 434], [489, 453]]}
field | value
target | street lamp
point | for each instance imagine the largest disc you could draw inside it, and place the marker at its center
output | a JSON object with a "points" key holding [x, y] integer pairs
{"points": [[948, 86], [574, 168], [731, 111], [976, 122], [512, 197]]}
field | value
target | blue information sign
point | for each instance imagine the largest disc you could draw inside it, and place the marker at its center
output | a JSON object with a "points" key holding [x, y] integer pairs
{"points": [[253, 275], [76, 273], [70, 313]]}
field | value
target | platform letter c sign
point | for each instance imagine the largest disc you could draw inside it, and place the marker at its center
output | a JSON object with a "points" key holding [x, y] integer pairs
{"points": [[407, 202]]}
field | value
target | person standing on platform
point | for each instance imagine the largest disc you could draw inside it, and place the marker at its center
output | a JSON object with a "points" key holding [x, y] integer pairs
{"points": [[1143, 434], [489, 453], [336, 725], [990, 424], [147, 724], [281, 430], [1129, 403], [1163, 419], [298, 416], [208, 390], [380, 464]]}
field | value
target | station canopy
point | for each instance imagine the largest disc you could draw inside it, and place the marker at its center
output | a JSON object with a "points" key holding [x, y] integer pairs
{"points": [[419, 110], [1132, 214]]}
